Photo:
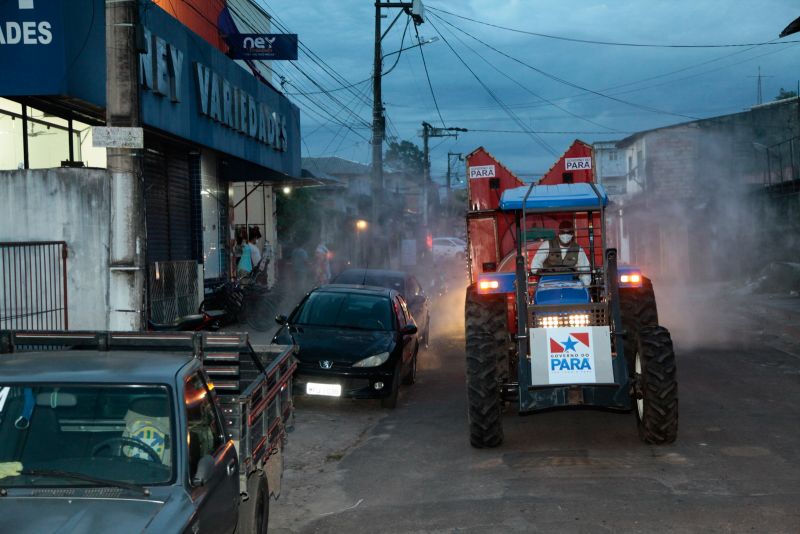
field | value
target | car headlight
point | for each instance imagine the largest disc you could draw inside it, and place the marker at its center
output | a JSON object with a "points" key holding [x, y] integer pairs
{"points": [[373, 361]]}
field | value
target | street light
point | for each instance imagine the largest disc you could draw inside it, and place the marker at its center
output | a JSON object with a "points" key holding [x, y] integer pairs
{"points": [[361, 224], [287, 190], [421, 43]]}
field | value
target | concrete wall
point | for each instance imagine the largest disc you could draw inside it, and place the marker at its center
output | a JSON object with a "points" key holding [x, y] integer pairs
{"points": [[71, 205]]}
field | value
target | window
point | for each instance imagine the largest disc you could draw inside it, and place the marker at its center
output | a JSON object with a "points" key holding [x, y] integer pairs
{"points": [[31, 138], [206, 434], [346, 310], [400, 313], [111, 432], [409, 318]]}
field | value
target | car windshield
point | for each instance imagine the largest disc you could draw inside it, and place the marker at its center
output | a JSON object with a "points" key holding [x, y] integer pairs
{"points": [[345, 310], [118, 434]]}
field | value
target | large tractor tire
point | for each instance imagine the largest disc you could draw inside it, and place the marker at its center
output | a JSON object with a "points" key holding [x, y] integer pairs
{"points": [[487, 363], [655, 386], [638, 307]]}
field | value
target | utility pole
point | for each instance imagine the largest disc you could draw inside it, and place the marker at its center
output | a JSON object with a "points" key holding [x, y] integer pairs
{"points": [[377, 121], [429, 131], [416, 10], [126, 300]]}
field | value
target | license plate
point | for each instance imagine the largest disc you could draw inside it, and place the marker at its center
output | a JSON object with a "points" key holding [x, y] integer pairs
{"points": [[328, 390]]}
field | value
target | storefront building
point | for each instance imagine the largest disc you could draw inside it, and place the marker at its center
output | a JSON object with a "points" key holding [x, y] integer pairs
{"points": [[209, 125]]}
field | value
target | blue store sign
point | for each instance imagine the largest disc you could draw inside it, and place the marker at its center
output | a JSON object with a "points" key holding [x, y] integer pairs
{"points": [[192, 90], [53, 47], [264, 46]]}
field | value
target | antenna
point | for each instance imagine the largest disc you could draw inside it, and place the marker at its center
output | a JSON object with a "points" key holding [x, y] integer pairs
{"points": [[759, 99]]}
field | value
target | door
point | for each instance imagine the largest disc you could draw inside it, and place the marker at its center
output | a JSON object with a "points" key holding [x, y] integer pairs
{"points": [[217, 500], [404, 318]]}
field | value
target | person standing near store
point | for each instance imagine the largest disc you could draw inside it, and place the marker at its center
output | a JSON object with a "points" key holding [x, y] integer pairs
{"points": [[245, 265], [322, 264], [252, 241]]}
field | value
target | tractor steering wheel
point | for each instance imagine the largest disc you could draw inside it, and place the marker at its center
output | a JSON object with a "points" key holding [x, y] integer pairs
{"points": [[129, 442]]}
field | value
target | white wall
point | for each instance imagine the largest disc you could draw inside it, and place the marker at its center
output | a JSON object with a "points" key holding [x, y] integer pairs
{"points": [[71, 205]]}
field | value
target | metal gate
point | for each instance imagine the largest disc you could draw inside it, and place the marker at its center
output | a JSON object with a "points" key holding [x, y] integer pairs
{"points": [[173, 290], [33, 285]]}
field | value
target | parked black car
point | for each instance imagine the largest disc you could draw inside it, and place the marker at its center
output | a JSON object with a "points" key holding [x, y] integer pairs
{"points": [[404, 283], [354, 341]]}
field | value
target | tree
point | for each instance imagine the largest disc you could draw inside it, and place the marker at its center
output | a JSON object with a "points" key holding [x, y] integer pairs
{"points": [[785, 94], [404, 156]]}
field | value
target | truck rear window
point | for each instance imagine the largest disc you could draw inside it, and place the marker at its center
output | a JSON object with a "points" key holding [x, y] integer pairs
{"points": [[118, 433]]}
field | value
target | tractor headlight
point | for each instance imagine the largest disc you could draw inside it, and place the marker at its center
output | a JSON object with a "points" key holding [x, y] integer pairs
{"points": [[579, 319], [630, 279], [486, 285], [373, 361], [549, 321], [556, 321]]}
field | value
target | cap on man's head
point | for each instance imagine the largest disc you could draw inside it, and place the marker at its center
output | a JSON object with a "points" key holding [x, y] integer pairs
{"points": [[565, 225]]}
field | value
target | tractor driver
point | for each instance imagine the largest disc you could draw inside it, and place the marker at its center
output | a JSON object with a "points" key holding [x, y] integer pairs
{"points": [[562, 254]]}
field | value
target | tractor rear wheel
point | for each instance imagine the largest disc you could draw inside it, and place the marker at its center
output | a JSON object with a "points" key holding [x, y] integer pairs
{"points": [[638, 307], [485, 322], [655, 386]]}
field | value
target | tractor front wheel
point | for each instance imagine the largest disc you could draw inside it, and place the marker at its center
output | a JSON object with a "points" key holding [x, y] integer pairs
{"points": [[655, 388], [485, 322]]}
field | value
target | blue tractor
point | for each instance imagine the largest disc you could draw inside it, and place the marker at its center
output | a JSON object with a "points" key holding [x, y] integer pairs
{"points": [[552, 320]]}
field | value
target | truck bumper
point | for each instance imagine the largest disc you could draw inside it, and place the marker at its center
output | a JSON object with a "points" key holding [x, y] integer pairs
{"points": [[608, 396]]}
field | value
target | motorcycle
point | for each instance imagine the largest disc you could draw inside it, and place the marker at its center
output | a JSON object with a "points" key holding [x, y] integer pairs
{"points": [[227, 303]]}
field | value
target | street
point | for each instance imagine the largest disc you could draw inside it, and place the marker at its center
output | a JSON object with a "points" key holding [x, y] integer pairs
{"points": [[352, 467]]}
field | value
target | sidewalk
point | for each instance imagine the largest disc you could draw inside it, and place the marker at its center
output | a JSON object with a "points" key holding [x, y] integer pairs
{"points": [[722, 315]]}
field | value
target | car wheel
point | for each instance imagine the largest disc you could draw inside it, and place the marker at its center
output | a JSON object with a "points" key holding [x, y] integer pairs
{"points": [[261, 518], [390, 402], [254, 509]]}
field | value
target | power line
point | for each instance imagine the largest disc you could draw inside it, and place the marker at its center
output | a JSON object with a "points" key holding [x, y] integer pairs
{"points": [[524, 87], [316, 59], [311, 55], [427, 75], [546, 132], [607, 43], [576, 86], [333, 90], [491, 93]]}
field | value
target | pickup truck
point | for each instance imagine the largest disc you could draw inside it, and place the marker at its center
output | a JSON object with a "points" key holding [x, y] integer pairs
{"points": [[165, 432]]}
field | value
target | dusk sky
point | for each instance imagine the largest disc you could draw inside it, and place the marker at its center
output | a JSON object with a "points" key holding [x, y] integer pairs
{"points": [[525, 86]]}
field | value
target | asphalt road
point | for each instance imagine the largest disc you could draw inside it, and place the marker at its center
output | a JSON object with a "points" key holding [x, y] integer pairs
{"points": [[353, 467]]}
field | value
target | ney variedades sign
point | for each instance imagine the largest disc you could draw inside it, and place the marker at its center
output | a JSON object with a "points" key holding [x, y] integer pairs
{"points": [[271, 46], [194, 91], [52, 47]]}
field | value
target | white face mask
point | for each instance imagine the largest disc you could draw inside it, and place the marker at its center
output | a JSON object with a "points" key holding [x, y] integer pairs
{"points": [[565, 238]]}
